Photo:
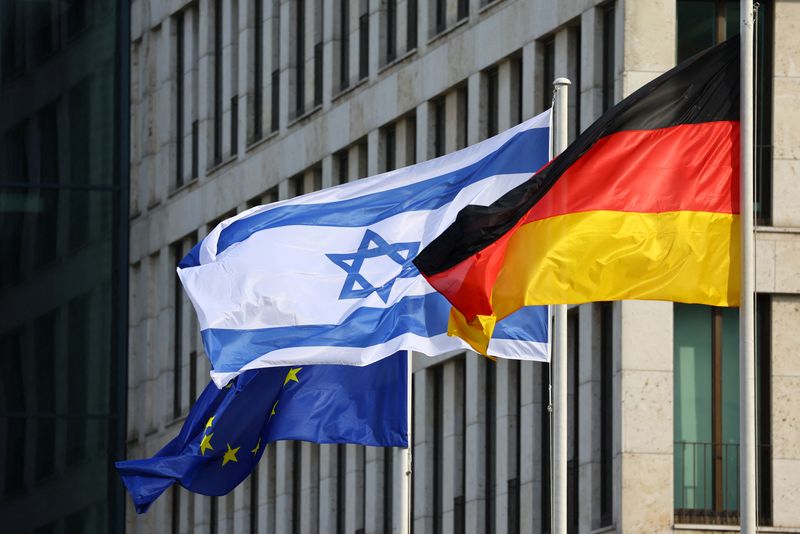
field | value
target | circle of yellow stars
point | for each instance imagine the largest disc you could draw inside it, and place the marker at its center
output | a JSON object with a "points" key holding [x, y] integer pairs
{"points": [[230, 453]]}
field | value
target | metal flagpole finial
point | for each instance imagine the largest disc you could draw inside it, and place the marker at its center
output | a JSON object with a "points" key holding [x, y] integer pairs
{"points": [[561, 81]]}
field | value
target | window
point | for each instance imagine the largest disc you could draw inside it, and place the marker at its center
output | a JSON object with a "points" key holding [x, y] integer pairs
{"points": [[177, 332], [411, 24], [299, 57], [388, 490], [363, 40], [217, 81], [275, 76], [463, 9], [490, 415], [234, 125], [514, 435], [439, 118], [706, 457], [546, 468], [258, 72], [179, 110], [297, 185], [389, 148], [439, 16], [341, 487], [254, 501], [341, 167], [462, 117], [176, 509], [609, 52], [702, 24], [437, 452], [344, 44], [516, 90], [391, 30], [297, 477], [213, 514], [45, 342], [460, 406], [573, 420], [318, 12], [492, 104], [575, 76], [606, 414]]}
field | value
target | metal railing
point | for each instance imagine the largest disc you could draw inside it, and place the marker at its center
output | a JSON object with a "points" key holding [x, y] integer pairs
{"points": [[706, 482]]}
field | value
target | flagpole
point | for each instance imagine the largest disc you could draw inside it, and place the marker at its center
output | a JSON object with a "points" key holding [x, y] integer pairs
{"points": [[747, 423], [406, 513], [559, 365]]}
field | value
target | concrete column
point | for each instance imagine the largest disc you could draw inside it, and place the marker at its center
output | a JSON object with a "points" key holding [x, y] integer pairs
{"points": [[330, 75], [283, 486], [205, 101], [424, 150], [589, 347], [476, 431], [373, 496], [401, 141], [786, 117], [376, 38], [373, 152], [401, 15], [262, 506], [327, 171], [244, 48], [423, 455], [309, 488], [501, 443], [476, 120], [327, 486], [591, 89], [271, 60], [285, 98], [528, 443], [450, 459], [354, 516], [451, 122], [229, 75], [643, 442], [423, 29], [504, 96], [355, 11], [241, 516]]}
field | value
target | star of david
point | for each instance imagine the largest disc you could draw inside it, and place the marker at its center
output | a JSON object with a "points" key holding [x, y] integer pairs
{"points": [[374, 246]]}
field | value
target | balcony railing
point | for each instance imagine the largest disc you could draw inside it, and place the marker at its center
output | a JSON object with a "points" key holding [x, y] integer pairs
{"points": [[706, 483]]}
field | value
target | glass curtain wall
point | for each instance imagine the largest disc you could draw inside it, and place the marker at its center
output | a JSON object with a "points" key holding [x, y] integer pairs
{"points": [[63, 267]]}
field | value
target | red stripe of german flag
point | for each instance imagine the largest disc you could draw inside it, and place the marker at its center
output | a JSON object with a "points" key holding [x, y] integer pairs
{"points": [[643, 205]]}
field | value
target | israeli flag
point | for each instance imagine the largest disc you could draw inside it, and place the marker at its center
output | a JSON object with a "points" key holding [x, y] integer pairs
{"points": [[328, 278]]}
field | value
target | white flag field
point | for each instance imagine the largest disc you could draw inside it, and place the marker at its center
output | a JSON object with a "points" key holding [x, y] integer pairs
{"points": [[328, 278]]}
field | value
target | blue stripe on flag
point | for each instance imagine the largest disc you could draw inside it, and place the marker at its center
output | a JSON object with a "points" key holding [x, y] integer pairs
{"points": [[525, 152], [425, 316]]}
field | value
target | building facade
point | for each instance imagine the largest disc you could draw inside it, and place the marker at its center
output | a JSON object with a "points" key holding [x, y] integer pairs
{"points": [[63, 264], [236, 103]]}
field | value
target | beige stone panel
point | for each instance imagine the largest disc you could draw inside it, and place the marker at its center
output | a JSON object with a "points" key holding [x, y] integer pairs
{"points": [[647, 494], [765, 263], [786, 336], [787, 33], [647, 411], [649, 33], [785, 489], [787, 265], [786, 117], [633, 80], [786, 192], [785, 417], [647, 335]]}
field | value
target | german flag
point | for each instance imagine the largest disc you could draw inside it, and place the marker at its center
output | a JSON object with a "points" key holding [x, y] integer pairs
{"points": [[643, 205]]}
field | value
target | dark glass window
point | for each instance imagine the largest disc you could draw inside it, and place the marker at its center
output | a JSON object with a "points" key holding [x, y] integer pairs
{"points": [[439, 124], [363, 41], [218, 81], [439, 16], [344, 44], [391, 30], [297, 477], [437, 452], [389, 148], [606, 413], [275, 76], [514, 457], [411, 24], [341, 167], [341, 487], [573, 422], [463, 9], [258, 69], [300, 57], [45, 334], [489, 449], [388, 490], [609, 52], [179, 100]]}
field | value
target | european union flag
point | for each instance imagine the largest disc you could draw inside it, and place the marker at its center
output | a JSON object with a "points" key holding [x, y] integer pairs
{"points": [[227, 429]]}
